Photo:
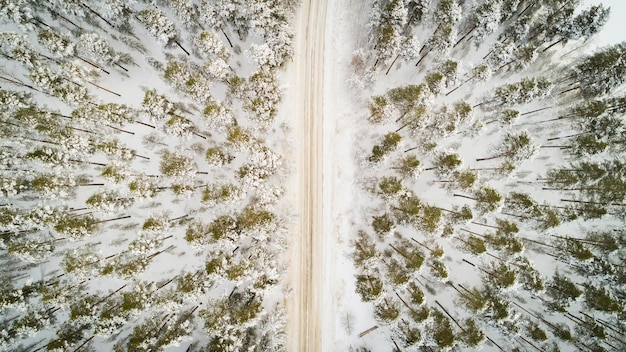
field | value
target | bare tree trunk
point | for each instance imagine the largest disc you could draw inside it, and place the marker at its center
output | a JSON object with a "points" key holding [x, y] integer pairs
{"points": [[105, 89], [227, 39], [533, 111], [97, 14], [553, 44], [114, 219], [568, 136], [464, 196], [422, 58], [180, 46], [392, 63], [92, 64], [465, 36]]}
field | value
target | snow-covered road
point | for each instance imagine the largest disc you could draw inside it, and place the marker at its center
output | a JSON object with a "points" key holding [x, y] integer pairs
{"points": [[304, 328]]}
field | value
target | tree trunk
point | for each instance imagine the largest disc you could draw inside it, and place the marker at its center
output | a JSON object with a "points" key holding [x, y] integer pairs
{"points": [[464, 196], [553, 44], [421, 244], [569, 90], [505, 65], [120, 130], [227, 39], [114, 219], [104, 89], [97, 14], [181, 47], [450, 316], [109, 295], [399, 252], [462, 84], [92, 64], [493, 157], [422, 58], [568, 136], [424, 46], [87, 162], [145, 124], [530, 343], [533, 111], [465, 36], [120, 66], [404, 302], [392, 63], [483, 103], [486, 225]]}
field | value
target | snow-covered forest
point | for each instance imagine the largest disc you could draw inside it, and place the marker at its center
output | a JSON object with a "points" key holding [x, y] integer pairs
{"points": [[489, 148], [474, 172], [142, 174]]}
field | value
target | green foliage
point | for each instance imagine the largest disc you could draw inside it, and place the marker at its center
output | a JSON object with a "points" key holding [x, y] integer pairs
{"points": [[408, 166], [599, 298], [176, 165], [416, 294], [51, 184], [378, 107], [535, 332], [408, 334], [389, 144], [253, 217], [220, 193], [600, 72], [196, 232], [413, 256], [369, 287], [523, 92], [446, 163], [464, 179], [238, 136], [386, 311], [217, 156], [508, 116], [390, 186], [475, 245], [442, 330], [488, 199], [68, 335], [501, 275], [434, 81], [587, 144], [472, 336], [143, 187], [364, 249], [575, 248], [409, 208], [397, 273], [76, 227], [562, 331], [528, 276], [562, 291], [383, 224], [221, 227], [115, 173], [430, 220], [156, 223], [438, 269], [498, 306]]}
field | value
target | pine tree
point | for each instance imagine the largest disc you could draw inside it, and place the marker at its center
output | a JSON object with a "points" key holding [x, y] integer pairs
{"points": [[597, 74]]}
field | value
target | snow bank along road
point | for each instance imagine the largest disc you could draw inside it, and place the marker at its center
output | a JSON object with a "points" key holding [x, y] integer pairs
{"points": [[306, 271]]}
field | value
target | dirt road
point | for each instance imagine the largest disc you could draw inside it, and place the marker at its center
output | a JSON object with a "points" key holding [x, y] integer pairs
{"points": [[304, 333]]}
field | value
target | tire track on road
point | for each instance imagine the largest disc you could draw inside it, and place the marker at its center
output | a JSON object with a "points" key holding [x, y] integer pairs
{"points": [[307, 270]]}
